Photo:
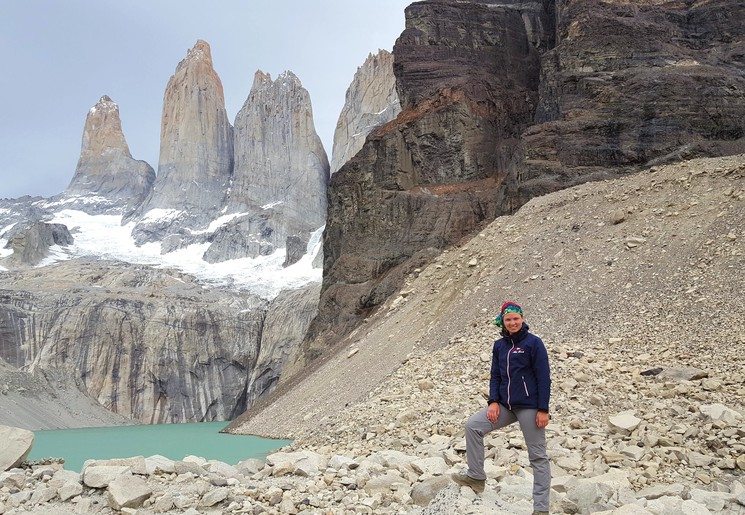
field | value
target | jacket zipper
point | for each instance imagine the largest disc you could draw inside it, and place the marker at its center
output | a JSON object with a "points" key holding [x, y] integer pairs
{"points": [[509, 379], [526, 387]]}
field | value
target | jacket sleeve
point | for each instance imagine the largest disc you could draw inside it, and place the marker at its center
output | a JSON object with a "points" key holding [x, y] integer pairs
{"points": [[542, 374], [495, 379]]}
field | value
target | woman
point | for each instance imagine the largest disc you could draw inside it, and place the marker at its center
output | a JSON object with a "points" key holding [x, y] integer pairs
{"points": [[519, 391]]}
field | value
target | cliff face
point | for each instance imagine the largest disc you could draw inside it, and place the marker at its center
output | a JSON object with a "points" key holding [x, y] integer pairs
{"points": [[503, 101], [281, 170], [467, 78], [106, 168], [370, 102], [150, 345]]}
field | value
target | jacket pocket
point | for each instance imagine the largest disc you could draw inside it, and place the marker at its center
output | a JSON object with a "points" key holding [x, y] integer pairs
{"points": [[526, 387]]}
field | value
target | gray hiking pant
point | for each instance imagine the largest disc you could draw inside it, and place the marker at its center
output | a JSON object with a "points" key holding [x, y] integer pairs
{"points": [[535, 438]]}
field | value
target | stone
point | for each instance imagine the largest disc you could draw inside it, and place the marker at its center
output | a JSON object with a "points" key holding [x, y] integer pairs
{"points": [[158, 464], [423, 492], [100, 476], [684, 374], [128, 492], [384, 484], [722, 413], [624, 422], [434, 466], [214, 497], [370, 102], [16, 446]]}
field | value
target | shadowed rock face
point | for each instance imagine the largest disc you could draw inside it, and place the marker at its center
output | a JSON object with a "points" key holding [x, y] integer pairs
{"points": [[633, 84], [106, 168], [196, 145], [503, 101]]}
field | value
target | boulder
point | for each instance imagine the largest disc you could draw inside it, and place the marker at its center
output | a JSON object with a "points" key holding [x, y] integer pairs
{"points": [[128, 492], [624, 422], [99, 476], [16, 446]]}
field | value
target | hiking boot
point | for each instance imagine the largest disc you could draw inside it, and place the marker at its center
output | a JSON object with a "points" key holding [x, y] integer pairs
{"points": [[463, 479]]}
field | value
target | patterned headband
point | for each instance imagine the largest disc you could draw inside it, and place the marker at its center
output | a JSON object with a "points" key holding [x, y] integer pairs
{"points": [[507, 307]]}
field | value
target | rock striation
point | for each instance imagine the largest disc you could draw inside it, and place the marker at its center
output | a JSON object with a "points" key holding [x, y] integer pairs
{"points": [[630, 84], [153, 346], [196, 150], [106, 175], [370, 102]]}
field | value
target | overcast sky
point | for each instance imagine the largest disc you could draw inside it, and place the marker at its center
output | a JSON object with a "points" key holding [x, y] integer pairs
{"points": [[60, 57]]}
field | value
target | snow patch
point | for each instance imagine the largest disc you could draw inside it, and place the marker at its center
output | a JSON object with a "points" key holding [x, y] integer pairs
{"points": [[104, 236]]}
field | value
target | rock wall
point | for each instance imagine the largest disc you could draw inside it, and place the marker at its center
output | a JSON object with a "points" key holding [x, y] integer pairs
{"points": [[106, 167], [147, 344], [467, 78], [370, 102], [632, 84]]}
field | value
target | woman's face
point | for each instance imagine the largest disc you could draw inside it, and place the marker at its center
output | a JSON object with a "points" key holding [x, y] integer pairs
{"points": [[512, 322]]}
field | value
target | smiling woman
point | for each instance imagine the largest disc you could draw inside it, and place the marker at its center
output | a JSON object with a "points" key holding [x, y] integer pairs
{"points": [[174, 441], [137, 46]]}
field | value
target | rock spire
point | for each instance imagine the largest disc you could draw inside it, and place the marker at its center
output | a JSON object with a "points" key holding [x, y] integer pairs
{"points": [[106, 167], [281, 169], [196, 140], [370, 102]]}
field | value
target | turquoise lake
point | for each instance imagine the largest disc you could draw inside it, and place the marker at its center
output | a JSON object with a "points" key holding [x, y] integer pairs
{"points": [[174, 441]]}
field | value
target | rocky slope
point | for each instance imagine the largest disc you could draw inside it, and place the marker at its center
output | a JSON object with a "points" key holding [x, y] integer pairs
{"points": [[503, 101], [370, 102], [635, 284]]}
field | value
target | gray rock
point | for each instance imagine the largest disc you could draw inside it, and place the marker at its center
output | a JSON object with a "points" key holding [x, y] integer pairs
{"points": [[99, 476], [214, 496], [722, 413], [16, 446], [128, 492], [683, 374], [423, 492], [31, 245], [196, 149], [624, 422]]}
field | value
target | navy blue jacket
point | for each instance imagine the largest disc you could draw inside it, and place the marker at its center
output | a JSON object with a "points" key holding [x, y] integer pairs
{"points": [[520, 376]]}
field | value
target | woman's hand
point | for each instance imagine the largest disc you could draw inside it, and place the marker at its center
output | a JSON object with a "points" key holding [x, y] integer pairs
{"points": [[541, 419], [492, 412]]}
